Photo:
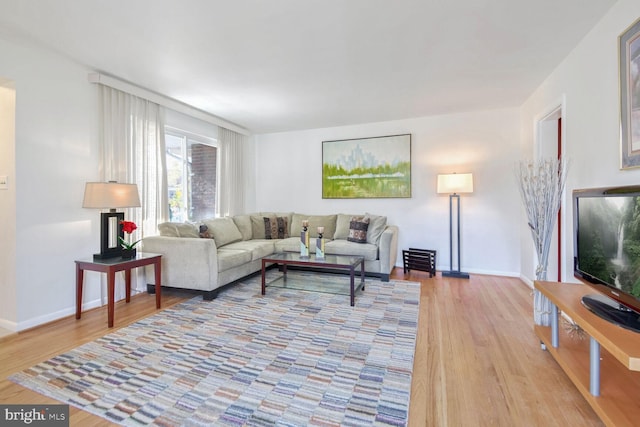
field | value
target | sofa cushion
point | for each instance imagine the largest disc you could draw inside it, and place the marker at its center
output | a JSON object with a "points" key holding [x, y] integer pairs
{"points": [[256, 247], [178, 229], [358, 229], [230, 258], [243, 222], [223, 230], [377, 225], [276, 227], [342, 226], [315, 221], [257, 226], [344, 247]]}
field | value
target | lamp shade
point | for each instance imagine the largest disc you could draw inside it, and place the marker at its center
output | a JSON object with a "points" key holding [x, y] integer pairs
{"points": [[455, 183], [110, 195]]}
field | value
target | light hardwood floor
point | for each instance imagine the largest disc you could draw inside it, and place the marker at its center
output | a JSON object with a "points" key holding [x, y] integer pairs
{"points": [[477, 360]]}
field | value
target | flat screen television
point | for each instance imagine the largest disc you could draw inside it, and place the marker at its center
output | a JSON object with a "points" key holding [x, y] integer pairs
{"points": [[607, 251]]}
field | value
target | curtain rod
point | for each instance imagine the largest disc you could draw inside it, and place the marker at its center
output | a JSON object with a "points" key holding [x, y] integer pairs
{"points": [[165, 101]]}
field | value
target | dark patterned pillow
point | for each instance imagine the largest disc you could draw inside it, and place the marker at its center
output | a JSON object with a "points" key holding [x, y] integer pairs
{"points": [[358, 227], [204, 232], [276, 227]]}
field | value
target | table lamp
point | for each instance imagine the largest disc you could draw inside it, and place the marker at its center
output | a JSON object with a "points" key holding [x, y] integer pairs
{"points": [[110, 195]]}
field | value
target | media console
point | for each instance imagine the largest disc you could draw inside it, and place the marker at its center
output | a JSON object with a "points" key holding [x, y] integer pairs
{"points": [[605, 366]]}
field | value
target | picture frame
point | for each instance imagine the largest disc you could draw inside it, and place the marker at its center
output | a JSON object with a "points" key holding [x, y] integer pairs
{"points": [[629, 68], [367, 168]]}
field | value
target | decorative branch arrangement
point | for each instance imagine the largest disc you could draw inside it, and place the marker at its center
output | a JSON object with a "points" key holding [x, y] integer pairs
{"points": [[541, 187]]}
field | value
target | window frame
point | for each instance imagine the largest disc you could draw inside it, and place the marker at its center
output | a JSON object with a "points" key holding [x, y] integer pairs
{"points": [[188, 138]]}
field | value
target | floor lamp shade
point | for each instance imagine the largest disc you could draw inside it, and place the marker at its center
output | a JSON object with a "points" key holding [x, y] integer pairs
{"points": [[112, 196], [454, 184]]}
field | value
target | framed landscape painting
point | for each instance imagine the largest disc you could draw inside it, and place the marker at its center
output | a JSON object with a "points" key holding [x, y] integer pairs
{"points": [[629, 67], [365, 168]]}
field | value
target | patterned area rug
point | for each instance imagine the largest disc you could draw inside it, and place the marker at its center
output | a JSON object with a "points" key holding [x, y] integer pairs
{"points": [[290, 358]]}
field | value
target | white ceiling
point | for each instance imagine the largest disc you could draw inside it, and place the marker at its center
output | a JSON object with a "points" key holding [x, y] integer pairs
{"points": [[279, 65]]}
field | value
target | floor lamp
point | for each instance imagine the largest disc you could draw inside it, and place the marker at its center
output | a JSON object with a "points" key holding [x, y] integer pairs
{"points": [[453, 184]]}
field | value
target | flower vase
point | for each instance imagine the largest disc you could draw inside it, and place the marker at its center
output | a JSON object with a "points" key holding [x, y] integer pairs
{"points": [[128, 253]]}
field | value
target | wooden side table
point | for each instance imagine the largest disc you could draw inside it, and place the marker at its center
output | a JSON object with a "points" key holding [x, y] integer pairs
{"points": [[111, 266]]}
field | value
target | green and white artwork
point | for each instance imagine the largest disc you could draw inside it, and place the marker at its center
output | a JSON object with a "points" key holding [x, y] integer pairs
{"points": [[377, 167]]}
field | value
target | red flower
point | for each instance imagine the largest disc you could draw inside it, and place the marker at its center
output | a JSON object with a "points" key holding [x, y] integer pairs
{"points": [[128, 226]]}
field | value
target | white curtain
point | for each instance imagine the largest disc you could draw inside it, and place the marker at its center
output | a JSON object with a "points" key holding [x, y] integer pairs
{"points": [[231, 184], [133, 151]]}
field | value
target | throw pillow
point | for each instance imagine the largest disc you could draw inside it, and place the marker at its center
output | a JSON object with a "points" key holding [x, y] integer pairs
{"points": [[223, 230], [257, 226], [358, 229], [276, 227], [243, 222], [204, 232], [377, 225]]}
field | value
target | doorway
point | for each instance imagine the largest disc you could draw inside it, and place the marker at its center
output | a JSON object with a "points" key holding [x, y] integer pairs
{"points": [[549, 144]]}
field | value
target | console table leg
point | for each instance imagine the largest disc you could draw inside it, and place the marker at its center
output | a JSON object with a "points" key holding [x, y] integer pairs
{"points": [[594, 367], [263, 278], [352, 280], [158, 277], [127, 284], [111, 286], [554, 325], [79, 283]]}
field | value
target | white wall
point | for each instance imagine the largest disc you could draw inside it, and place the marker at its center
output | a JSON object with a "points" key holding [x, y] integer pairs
{"points": [[588, 78], [288, 178], [7, 206], [55, 154]]}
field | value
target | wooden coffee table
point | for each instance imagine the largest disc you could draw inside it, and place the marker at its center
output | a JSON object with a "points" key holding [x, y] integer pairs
{"points": [[329, 261]]}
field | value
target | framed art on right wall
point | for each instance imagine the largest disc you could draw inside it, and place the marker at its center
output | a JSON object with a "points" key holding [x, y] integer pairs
{"points": [[629, 67]]}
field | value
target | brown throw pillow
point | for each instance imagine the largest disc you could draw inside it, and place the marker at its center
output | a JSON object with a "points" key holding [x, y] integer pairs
{"points": [[276, 227], [358, 229]]}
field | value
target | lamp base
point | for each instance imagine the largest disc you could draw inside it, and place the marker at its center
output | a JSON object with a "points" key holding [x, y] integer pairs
{"points": [[458, 274], [107, 255]]}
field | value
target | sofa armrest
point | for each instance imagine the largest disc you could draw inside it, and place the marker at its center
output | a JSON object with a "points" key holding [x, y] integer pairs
{"points": [[388, 249], [188, 263]]}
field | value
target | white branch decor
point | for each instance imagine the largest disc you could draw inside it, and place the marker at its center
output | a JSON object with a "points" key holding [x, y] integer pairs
{"points": [[541, 187]]}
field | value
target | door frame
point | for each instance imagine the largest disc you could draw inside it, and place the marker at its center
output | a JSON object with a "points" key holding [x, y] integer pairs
{"points": [[545, 142]]}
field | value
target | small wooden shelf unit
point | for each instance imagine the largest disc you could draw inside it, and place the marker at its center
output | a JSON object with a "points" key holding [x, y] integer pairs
{"points": [[618, 372], [419, 259]]}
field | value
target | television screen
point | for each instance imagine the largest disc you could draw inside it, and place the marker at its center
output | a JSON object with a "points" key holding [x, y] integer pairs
{"points": [[607, 242]]}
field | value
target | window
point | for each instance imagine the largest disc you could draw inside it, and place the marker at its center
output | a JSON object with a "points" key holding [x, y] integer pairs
{"points": [[192, 165]]}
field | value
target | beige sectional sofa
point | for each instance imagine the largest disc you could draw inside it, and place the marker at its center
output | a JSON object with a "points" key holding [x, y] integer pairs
{"points": [[233, 247]]}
